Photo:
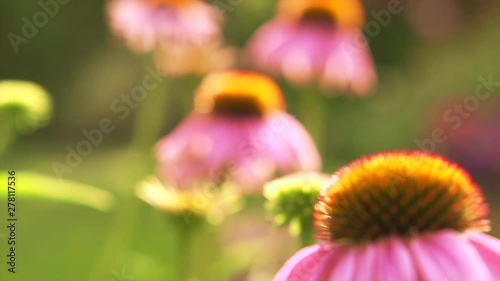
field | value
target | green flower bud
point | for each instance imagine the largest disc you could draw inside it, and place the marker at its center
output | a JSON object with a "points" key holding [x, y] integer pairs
{"points": [[27, 104], [291, 199]]}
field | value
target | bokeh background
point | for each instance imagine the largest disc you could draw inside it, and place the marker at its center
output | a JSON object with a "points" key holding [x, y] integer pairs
{"points": [[429, 58]]}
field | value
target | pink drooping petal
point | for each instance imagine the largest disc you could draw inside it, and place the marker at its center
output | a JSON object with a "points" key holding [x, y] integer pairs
{"points": [[248, 157], [350, 64], [249, 149], [224, 134], [344, 269], [383, 260], [300, 141], [272, 141], [298, 52], [266, 41], [488, 248], [368, 257], [440, 256], [303, 53], [303, 264], [446, 255], [394, 261], [177, 152]]}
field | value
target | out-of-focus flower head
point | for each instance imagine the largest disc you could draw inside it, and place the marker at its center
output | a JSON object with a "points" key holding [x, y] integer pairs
{"points": [[203, 202], [315, 40], [149, 24], [238, 131], [399, 216], [27, 105], [471, 136], [291, 199]]}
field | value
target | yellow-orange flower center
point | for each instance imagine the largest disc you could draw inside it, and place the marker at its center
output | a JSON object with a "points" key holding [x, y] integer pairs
{"points": [[238, 93], [398, 193], [344, 13]]}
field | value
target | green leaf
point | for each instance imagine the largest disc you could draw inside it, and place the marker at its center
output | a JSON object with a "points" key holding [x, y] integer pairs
{"points": [[37, 186]]}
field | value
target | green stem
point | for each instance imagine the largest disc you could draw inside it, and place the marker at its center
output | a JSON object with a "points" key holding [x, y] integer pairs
{"points": [[208, 251], [118, 239], [186, 90], [152, 115], [182, 258], [306, 237], [313, 114]]}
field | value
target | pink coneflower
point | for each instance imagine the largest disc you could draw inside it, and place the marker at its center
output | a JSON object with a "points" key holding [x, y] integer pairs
{"points": [[238, 128], [399, 216], [311, 40], [146, 24]]}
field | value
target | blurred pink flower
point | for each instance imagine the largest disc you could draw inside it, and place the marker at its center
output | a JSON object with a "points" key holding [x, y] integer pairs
{"points": [[146, 24], [471, 138], [408, 216], [316, 41], [238, 129]]}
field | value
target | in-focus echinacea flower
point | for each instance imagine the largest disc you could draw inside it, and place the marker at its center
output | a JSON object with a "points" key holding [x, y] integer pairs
{"points": [[407, 216], [311, 40], [148, 24], [238, 131]]}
